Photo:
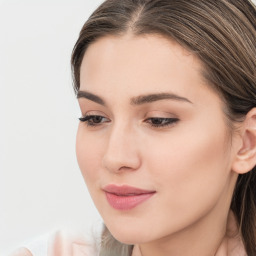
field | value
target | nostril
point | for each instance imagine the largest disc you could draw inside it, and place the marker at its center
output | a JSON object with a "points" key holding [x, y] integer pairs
{"points": [[121, 163]]}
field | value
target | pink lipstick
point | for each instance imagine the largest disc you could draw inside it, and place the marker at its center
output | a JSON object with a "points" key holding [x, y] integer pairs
{"points": [[126, 197]]}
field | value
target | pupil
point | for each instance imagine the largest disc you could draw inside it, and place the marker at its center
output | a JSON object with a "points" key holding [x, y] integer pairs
{"points": [[97, 119], [157, 120]]}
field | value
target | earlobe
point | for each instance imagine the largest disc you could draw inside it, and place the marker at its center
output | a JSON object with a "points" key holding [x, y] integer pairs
{"points": [[245, 159]]}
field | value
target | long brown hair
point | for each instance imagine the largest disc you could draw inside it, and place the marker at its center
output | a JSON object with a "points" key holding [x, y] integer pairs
{"points": [[222, 34]]}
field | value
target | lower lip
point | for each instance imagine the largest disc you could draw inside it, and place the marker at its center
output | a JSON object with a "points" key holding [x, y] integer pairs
{"points": [[125, 203]]}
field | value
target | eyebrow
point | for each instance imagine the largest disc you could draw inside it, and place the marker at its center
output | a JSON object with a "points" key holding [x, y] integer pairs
{"points": [[139, 100], [90, 96]]}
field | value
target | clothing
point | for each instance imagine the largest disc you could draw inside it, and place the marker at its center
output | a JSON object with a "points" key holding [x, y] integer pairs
{"points": [[59, 244], [64, 243]]}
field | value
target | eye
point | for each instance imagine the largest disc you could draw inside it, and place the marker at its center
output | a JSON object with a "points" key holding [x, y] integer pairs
{"points": [[161, 121], [94, 120]]}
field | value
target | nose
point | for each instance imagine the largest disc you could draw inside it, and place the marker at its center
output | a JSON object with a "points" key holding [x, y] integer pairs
{"points": [[122, 152]]}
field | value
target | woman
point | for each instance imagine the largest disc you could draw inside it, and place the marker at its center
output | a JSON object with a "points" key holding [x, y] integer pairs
{"points": [[167, 138]]}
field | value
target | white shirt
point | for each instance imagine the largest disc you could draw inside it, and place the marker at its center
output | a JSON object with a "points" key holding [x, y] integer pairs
{"points": [[59, 243]]}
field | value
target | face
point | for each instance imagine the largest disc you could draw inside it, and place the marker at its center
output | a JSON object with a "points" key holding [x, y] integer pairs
{"points": [[153, 145]]}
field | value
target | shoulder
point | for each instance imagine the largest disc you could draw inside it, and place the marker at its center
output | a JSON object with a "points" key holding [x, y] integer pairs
{"points": [[75, 244], [60, 243], [21, 252]]}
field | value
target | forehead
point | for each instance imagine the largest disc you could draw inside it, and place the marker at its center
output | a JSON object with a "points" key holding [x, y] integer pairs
{"points": [[133, 65], [138, 51]]}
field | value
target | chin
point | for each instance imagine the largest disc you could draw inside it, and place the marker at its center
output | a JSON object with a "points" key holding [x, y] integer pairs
{"points": [[127, 239], [129, 234]]}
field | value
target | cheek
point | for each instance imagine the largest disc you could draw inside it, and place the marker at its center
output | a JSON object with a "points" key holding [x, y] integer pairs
{"points": [[88, 155], [90, 150], [187, 151], [190, 169]]}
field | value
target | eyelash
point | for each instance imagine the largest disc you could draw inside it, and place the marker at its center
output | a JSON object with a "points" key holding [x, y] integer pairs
{"points": [[92, 120], [161, 121], [156, 122]]}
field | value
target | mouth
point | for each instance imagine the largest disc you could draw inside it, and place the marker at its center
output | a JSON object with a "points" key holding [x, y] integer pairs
{"points": [[126, 197]]}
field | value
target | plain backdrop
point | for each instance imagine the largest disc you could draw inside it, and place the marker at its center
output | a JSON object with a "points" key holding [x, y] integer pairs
{"points": [[41, 188]]}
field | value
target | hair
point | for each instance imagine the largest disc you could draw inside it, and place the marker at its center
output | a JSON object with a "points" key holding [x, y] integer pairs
{"points": [[222, 34]]}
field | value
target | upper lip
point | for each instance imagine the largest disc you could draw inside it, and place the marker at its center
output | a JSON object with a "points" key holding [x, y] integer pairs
{"points": [[125, 190]]}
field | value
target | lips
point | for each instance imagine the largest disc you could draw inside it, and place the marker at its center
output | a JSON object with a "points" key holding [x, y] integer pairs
{"points": [[126, 197]]}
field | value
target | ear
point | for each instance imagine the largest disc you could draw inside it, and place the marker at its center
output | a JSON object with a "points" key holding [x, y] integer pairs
{"points": [[245, 159]]}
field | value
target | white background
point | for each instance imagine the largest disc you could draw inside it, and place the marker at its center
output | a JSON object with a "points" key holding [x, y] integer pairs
{"points": [[41, 187]]}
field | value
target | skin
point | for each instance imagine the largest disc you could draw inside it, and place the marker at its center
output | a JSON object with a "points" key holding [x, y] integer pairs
{"points": [[188, 163], [192, 164]]}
